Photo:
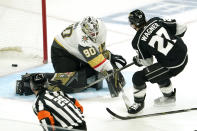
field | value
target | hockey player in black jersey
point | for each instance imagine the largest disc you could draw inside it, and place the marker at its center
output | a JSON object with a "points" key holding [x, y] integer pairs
{"points": [[56, 111], [159, 39]]}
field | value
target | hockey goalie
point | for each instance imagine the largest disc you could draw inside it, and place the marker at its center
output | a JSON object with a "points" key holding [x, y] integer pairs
{"points": [[79, 57]]}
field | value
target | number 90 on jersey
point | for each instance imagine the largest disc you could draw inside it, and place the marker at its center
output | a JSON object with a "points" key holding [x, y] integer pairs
{"points": [[89, 52]]}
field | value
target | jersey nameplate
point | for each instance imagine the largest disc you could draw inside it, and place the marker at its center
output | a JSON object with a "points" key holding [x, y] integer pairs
{"points": [[149, 31]]}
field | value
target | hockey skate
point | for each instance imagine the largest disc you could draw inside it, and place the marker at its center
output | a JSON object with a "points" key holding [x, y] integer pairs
{"points": [[135, 108], [165, 100]]}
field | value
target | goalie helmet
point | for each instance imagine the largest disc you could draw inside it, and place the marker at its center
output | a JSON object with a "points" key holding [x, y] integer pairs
{"points": [[38, 82], [137, 18], [90, 27]]}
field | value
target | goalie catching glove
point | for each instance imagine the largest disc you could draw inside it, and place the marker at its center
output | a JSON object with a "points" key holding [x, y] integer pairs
{"points": [[114, 59], [118, 59]]}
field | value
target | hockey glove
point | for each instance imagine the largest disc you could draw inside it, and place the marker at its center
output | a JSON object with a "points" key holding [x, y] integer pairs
{"points": [[118, 59], [136, 61]]}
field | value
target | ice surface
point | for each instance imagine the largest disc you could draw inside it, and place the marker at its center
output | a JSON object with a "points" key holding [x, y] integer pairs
{"points": [[114, 13]]}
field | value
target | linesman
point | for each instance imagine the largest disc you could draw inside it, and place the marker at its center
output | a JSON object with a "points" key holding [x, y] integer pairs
{"points": [[55, 110]]}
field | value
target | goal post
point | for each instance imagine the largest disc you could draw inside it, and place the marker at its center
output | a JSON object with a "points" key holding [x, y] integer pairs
{"points": [[44, 21]]}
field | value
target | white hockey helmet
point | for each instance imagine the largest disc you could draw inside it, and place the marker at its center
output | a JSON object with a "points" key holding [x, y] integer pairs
{"points": [[90, 27]]}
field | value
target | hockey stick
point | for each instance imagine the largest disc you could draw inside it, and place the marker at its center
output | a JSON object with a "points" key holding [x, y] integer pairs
{"points": [[148, 115], [125, 98], [97, 81]]}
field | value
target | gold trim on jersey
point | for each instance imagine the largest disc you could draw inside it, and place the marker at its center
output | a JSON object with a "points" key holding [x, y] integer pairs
{"points": [[97, 61], [102, 47], [58, 42]]}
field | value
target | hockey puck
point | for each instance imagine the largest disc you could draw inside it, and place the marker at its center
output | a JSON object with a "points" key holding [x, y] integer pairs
{"points": [[14, 65]]}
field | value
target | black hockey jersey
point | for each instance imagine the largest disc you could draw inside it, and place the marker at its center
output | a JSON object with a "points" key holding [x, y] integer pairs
{"points": [[56, 109], [161, 39]]}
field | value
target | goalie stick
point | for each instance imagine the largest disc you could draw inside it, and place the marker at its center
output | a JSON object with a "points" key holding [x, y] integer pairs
{"points": [[97, 81], [148, 115]]}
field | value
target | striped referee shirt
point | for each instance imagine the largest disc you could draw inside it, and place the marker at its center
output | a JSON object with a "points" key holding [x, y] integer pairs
{"points": [[57, 109]]}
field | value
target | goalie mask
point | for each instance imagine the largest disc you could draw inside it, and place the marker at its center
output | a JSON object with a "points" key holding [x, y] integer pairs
{"points": [[137, 18], [38, 82], [90, 27]]}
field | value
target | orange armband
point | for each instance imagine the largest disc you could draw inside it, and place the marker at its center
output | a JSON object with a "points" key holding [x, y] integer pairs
{"points": [[78, 105], [45, 114]]}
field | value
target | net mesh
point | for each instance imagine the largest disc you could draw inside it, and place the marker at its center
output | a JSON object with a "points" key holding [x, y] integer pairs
{"points": [[21, 27]]}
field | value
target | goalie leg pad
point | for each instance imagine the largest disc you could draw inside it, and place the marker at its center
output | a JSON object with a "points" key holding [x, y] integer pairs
{"points": [[93, 78], [70, 82]]}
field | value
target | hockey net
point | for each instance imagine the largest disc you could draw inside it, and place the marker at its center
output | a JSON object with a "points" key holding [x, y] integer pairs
{"points": [[21, 30]]}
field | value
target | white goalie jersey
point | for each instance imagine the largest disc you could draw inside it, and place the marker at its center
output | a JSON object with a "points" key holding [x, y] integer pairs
{"points": [[79, 44]]}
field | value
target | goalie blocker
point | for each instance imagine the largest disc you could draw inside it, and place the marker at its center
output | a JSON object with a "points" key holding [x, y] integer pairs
{"points": [[116, 81], [70, 82]]}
